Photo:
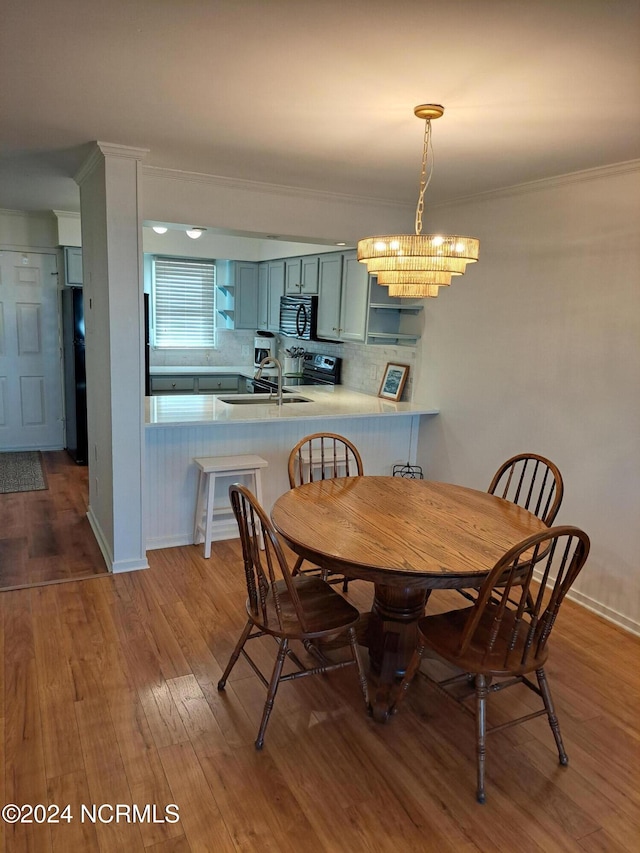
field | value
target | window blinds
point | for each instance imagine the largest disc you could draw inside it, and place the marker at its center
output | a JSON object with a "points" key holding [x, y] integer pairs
{"points": [[184, 302]]}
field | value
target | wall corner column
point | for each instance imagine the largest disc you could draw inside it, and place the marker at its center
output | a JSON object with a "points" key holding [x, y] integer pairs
{"points": [[110, 204]]}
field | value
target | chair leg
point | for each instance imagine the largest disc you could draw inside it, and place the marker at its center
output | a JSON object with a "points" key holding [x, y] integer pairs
{"points": [[481, 733], [551, 714], [345, 585], [296, 568], [235, 654], [413, 667], [362, 676], [271, 695]]}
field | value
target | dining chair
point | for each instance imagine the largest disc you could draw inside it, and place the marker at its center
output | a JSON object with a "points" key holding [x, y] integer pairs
{"points": [[287, 608], [532, 482], [323, 456], [503, 638]]}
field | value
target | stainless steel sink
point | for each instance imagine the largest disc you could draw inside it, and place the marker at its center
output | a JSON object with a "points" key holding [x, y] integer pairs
{"points": [[260, 400]]}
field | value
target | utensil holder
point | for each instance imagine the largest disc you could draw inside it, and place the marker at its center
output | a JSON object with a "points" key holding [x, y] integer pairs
{"points": [[292, 365]]}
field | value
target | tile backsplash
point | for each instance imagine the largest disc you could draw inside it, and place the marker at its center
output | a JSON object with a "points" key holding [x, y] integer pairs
{"points": [[234, 347], [362, 366]]}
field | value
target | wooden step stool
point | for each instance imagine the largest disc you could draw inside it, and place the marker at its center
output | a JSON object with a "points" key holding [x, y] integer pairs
{"points": [[211, 467]]}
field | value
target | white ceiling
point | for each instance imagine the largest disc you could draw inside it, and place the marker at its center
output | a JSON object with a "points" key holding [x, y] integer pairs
{"points": [[318, 94]]}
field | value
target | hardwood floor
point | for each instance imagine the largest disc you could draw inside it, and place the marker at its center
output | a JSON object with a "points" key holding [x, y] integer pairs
{"points": [[45, 535], [108, 695]]}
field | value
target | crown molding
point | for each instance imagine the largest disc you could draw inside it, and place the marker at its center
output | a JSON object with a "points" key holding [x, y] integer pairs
{"points": [[266, 188], [102, 150], [6, 211], [597, 173], [66, 214]]}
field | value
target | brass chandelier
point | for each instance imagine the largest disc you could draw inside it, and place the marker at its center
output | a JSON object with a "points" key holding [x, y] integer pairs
{"points": [[417, 265]]}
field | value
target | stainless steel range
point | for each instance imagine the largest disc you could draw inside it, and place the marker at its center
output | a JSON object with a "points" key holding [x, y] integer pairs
{"points": [[317, 369]]}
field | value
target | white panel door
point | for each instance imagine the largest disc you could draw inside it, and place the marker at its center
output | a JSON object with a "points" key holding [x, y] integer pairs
{"points": [[30, 354]]}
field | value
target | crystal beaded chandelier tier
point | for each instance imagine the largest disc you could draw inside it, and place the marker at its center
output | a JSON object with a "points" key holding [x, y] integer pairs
{"points": [[417, 265]]}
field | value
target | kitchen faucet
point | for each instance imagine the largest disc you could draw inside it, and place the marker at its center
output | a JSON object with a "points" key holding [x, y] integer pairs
{"points": [[271, 360]]}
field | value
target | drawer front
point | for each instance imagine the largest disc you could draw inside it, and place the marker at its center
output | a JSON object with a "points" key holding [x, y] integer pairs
{"points": [[212, 384], [172, 385]]}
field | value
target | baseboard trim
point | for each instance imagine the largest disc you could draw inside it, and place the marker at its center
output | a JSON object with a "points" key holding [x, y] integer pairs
{"points": [[608, 613], [113, 566], [222, 530]]}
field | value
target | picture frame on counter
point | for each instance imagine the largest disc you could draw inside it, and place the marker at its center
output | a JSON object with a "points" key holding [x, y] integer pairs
{"points": [[393, 381]]}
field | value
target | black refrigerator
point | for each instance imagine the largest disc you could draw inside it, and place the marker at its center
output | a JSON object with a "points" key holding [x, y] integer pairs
{"points": [[75, 378]]}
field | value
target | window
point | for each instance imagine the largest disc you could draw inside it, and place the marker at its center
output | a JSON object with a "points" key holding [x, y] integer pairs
{"points": [[184, 302]]}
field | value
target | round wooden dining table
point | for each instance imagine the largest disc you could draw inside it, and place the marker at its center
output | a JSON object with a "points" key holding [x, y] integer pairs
{"points": [[408, 537]]}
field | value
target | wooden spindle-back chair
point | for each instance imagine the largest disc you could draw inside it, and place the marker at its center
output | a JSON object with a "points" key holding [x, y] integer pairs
{"points": [[323, 456], [303, 608], [505, 634], [532, 482]]}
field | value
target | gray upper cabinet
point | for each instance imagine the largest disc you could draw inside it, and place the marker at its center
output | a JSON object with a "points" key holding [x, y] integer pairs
{"points": [[263, 295], [343, 298], [237, 282], [354, 299], [246, 297], [72, 266], [309, 274], [329, 291], [301, 275], [275, 291], [292, 276]]}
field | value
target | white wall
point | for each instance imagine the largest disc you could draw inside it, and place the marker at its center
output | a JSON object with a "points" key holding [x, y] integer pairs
{"points": [[22, 230], [172, 196], [537, 348]]}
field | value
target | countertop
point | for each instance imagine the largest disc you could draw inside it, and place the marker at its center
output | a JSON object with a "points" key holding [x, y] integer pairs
{"points": [[324, 403]]}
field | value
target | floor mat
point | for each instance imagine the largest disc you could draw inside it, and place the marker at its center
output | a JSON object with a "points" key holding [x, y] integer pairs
{"points": [[21, 471]]}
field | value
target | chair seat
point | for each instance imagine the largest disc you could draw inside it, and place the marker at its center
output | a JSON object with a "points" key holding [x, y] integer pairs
{"points": [[325, 611], [442, 633]]}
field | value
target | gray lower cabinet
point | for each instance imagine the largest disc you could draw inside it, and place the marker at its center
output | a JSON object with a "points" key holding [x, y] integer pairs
{"points": [[172, 384], [214, 383], [195, 384]]}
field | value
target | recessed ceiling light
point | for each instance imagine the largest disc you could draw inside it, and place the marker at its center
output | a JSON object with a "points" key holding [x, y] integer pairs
{"points": [[194, 233], [160, 229], [341, 244]]}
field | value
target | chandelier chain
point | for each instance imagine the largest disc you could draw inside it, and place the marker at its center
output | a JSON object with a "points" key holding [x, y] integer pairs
{"points": [[426, 173]]}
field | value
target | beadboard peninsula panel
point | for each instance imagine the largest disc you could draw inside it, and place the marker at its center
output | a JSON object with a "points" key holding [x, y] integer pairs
{"points": [[171, 475]]}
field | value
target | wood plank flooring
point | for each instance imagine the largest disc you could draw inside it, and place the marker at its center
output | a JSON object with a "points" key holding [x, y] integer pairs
{"points": [[108, 696], [45, 536]]}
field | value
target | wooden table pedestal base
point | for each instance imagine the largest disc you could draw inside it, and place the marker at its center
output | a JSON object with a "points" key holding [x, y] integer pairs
{"points": [[391, 636]]}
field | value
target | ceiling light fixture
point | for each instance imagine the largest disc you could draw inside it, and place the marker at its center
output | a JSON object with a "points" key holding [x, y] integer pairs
{"points": [[194, 233], [416, 265], [159, 229]]}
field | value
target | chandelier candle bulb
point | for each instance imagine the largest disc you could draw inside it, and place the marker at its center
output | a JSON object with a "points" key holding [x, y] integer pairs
{"points": [[416, 265]]}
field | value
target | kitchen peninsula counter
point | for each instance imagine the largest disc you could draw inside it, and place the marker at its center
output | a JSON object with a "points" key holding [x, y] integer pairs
{"points": [[180, 428], [331, 402]]}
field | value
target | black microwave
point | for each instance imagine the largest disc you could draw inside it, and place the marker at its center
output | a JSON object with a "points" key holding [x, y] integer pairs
{"points": [[299, 317]]}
